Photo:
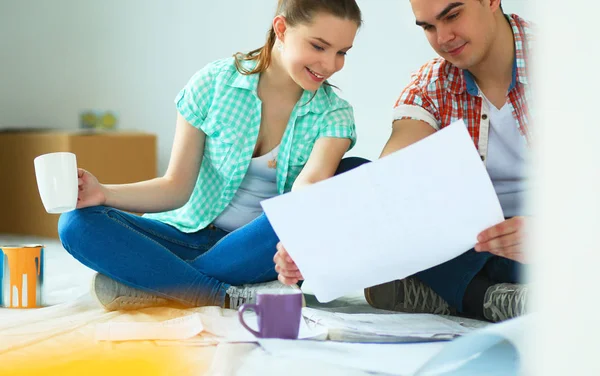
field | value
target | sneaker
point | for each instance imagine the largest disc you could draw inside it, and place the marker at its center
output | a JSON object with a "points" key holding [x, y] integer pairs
{"points": [[407, 295], [115, 296], [504, 301], [239, 295]]}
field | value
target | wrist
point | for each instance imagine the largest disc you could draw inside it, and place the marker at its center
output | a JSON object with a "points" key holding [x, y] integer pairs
{"points": [[107, 195]]}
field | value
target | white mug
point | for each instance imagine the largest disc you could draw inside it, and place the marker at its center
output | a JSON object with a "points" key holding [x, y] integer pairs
{"points": [[57, 181]]}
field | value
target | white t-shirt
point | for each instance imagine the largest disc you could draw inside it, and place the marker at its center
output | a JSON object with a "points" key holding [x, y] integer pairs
{"points": [[506, 159]]}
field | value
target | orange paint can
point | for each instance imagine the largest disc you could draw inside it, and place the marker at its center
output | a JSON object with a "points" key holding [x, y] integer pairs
{"points": [[22, 275]]}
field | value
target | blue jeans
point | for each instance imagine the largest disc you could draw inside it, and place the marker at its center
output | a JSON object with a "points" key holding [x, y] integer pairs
{"points": [[194, 269]]}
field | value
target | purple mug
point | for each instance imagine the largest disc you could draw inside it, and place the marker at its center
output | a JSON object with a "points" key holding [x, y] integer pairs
{"points": [[278, 314]]}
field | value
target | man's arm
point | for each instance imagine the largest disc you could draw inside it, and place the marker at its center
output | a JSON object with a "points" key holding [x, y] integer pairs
{"points": [[404, 133]]}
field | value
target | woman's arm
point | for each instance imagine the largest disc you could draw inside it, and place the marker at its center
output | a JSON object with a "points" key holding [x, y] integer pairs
{"points": [[323, 161], [170, 191]]}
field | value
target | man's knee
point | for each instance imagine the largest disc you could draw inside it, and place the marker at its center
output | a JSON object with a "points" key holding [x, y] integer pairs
{"points": [[350, 163]]}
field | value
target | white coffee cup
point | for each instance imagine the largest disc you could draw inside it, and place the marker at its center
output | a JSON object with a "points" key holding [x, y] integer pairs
{"points": [[56, 175]]}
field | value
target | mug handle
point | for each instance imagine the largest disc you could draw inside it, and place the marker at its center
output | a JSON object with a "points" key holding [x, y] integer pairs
{"points": [[241, 311]]}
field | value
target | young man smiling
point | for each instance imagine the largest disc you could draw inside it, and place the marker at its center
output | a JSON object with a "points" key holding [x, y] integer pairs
{"points": [[480, 77]]}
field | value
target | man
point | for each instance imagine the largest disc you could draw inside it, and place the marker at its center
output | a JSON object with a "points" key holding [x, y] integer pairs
{"points": [[481, 77]]}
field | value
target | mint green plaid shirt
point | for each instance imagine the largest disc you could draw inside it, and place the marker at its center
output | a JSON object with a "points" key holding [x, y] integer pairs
{"points": [[224, 104]]}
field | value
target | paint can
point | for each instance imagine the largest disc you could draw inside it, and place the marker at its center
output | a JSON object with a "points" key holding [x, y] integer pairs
{"points": [[21, 275]]}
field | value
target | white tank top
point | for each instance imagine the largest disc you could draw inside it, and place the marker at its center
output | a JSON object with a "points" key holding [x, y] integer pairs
{"points": [[260, 183]]}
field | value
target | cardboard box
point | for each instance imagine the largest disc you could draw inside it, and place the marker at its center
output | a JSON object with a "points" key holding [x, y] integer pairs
{"points": [[113, 157]]}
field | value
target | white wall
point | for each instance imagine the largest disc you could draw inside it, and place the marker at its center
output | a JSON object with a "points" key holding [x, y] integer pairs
{"points": [[60, 57], [566, 200]]}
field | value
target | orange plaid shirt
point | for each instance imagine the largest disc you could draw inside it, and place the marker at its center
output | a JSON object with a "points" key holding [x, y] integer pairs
{"points": [[440, 93]]}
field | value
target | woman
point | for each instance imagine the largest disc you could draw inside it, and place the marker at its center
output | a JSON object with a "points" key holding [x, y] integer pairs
{"points": [[248, 128]]}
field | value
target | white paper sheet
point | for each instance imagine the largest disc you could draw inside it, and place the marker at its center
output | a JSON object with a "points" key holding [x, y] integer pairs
{"points": [[175, 329], [495, 350], [390, 359], [414, 209], [197, 329], [400, 327], [230, 330]]}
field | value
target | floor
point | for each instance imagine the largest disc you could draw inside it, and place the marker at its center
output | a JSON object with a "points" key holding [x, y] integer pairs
{"points": [[61, 335]]}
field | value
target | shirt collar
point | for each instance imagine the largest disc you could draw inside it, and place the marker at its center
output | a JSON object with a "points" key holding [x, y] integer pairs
{"points": [[315, 102], [522, 38], [245, 81], [472, 87], [309, 101]]}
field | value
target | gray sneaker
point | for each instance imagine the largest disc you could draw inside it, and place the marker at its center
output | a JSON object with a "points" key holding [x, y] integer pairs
{"points": [[239, 295], [407, 295], [504, 301], [115, 296]]}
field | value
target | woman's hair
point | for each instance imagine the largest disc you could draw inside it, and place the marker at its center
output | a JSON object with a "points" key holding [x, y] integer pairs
{"points": [[296, 12]]}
